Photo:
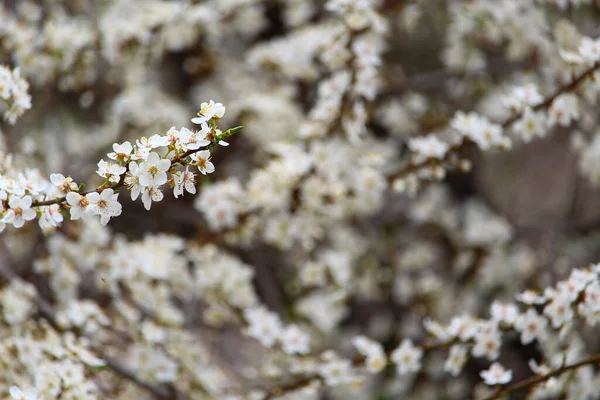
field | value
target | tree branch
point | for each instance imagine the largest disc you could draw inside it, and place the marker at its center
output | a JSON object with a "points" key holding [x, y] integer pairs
{"points": [[542, 378], [411, 166]]}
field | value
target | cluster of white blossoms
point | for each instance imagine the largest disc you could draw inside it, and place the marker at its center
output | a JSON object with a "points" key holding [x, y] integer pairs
{"points": [[143, 168], [14, 92], [342, 249], [528, 114], [313, 181]]}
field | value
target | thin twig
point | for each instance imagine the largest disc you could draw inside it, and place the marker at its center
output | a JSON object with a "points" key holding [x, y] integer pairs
{"points": [[411, 166], [178, 159], [291, 387], [542, 378]]}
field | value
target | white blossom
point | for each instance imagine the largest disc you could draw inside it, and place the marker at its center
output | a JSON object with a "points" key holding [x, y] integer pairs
{"points": [[263, 325], [19, 211], [153, 171], [294, 340], [104, 204], [407, 357], [184, 180], [375, 356], [209, 111], [496, 375], [202, 160], [531, 325], [456, 360]]}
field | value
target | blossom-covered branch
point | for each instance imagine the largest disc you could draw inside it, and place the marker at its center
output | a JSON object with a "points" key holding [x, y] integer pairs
{"points": [[537, 379], [140, 167], [430, 155]]}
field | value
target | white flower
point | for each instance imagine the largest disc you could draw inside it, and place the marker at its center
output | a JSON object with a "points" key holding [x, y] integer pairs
{"points": [[64, 184], [263, 325], [295, 341], [163, 140], [571, 57], [31, 182], [151, 194], [496, 375], [171, 137], [480, 130], [14, 92], [559, 311], [104, 204], [17, 301], [132, 180], [506, 313], [208, 111], [154, 170], [590, 307], [193, 140], [28, 394], [428, 147], [78, 205], [367, 53], [152, 332], [50, 217], [373, 351], [12, 186], [436, 329], [110, 170], [532, 124], [456, 359], [184, 179], [531, 325], [527, 95], [530, 297], [140, 153], [121, 151], [407, 357], [570, 288], [152, 142], [538, 369], [487, 342], [463, 326], [336, 372], [563, 110], [202, 160], [589, 49], [20, 211]]}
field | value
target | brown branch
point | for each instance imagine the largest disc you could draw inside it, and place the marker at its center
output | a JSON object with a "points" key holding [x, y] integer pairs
{"points": [[303, 382], [563, 89], [434, 80], [178, 159], [412, 166], [291, 387], [174, 161], [542, 378]]}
